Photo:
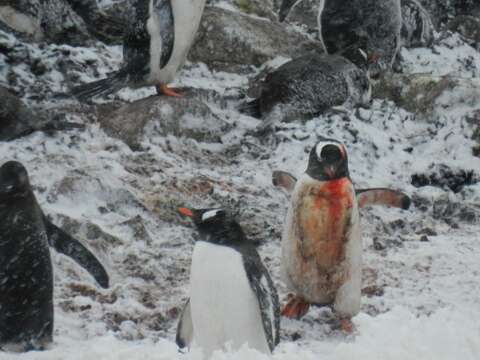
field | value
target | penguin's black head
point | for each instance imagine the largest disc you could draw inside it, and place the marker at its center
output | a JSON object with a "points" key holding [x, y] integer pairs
{"points": [[328, 160], [215, 223], [13, 179]]}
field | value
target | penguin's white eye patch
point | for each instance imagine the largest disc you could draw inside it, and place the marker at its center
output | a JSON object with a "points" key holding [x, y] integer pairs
{"points": [[210, 214], [321, 145]]}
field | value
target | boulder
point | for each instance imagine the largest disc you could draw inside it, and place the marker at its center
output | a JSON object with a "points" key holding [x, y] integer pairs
{"points": [[443, 10], [262, 8], [228, 38], [17, 119], [162, 116], [469, 27], [415, 93], [74, 22]]}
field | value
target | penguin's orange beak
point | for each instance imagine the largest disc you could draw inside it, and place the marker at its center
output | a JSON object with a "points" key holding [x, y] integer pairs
{"points": [[185, 212], [330, 170]]}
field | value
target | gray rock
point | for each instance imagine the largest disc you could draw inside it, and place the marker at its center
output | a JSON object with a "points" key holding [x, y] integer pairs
{"points": [[262, 8], [159, 115], [227, 38], [89, 232], [416, 93], [305, 12], [443, 10], [74, 22], [17, 120], [469, 27]]}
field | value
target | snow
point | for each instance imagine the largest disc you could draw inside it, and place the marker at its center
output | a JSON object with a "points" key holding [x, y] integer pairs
{"points": [[428, 302]]}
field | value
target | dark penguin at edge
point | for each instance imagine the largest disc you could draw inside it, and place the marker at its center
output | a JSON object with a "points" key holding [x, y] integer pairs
{"points": [[26, 273]]}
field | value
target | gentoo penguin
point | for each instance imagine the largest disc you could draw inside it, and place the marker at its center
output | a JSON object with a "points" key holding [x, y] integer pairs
{"points": [[370, 25], [26, 276], [321, 242], [309, 85], [365, 197], [17, 120], [155, 47], [232, 298]]}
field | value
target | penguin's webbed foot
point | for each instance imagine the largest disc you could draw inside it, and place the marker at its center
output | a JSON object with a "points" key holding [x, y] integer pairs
{"points": [[346, 326], [296, 308], [165, 90]]}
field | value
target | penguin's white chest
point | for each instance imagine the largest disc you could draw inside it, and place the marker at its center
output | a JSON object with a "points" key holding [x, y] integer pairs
{"points": [[187, 15], [224, 308]]}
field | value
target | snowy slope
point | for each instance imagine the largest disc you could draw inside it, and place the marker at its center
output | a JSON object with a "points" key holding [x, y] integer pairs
{"points": [[421, 298]]}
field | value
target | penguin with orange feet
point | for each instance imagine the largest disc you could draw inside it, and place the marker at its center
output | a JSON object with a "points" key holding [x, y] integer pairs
{"points": [[321, 242]]}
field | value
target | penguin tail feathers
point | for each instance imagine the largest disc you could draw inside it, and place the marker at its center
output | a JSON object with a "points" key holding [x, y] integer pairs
{"points": [[251, 108], [114, 82]]}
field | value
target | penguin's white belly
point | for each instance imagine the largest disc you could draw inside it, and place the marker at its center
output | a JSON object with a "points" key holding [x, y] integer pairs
{"points": [[187, 15], [224, 308]]}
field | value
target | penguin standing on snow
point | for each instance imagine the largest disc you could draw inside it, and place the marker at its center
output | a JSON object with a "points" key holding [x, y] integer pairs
{"points": [[232, 297], [26, 274], [155, 47], [321, 242]]}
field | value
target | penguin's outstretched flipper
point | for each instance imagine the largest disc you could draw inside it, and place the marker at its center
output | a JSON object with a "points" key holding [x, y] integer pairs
{"points": [[67, 245], [284, 179], [185, 327], [383, 196], [114, 82], [365, 197]]}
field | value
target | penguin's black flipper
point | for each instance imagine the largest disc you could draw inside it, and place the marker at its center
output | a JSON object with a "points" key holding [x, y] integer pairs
{"points": [[167, 30], [262, 285], [185, 327], [114, 82], [284, 179], [67, 245], [382, 196], [251, 108]]}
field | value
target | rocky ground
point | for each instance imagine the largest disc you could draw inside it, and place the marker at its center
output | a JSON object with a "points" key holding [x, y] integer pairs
{"points": [[116, 184]]}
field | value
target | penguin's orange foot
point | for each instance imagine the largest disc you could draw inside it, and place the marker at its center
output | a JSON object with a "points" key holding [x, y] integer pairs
{"points": [[346, 326], [296, 308], [165, 90]]}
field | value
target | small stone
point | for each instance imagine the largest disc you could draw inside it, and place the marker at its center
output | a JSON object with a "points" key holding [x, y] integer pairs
{"points": [[424, 238]]}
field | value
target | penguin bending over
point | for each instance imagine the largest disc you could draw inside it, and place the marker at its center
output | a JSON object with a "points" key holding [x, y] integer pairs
{"points": [[26, 274], [365, 197], [232, 296], [155, 47], [321, 241], [310, 85]]}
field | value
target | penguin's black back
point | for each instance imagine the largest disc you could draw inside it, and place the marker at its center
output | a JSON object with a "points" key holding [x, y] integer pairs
{"points": [[26, 276], [311, 84]]}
